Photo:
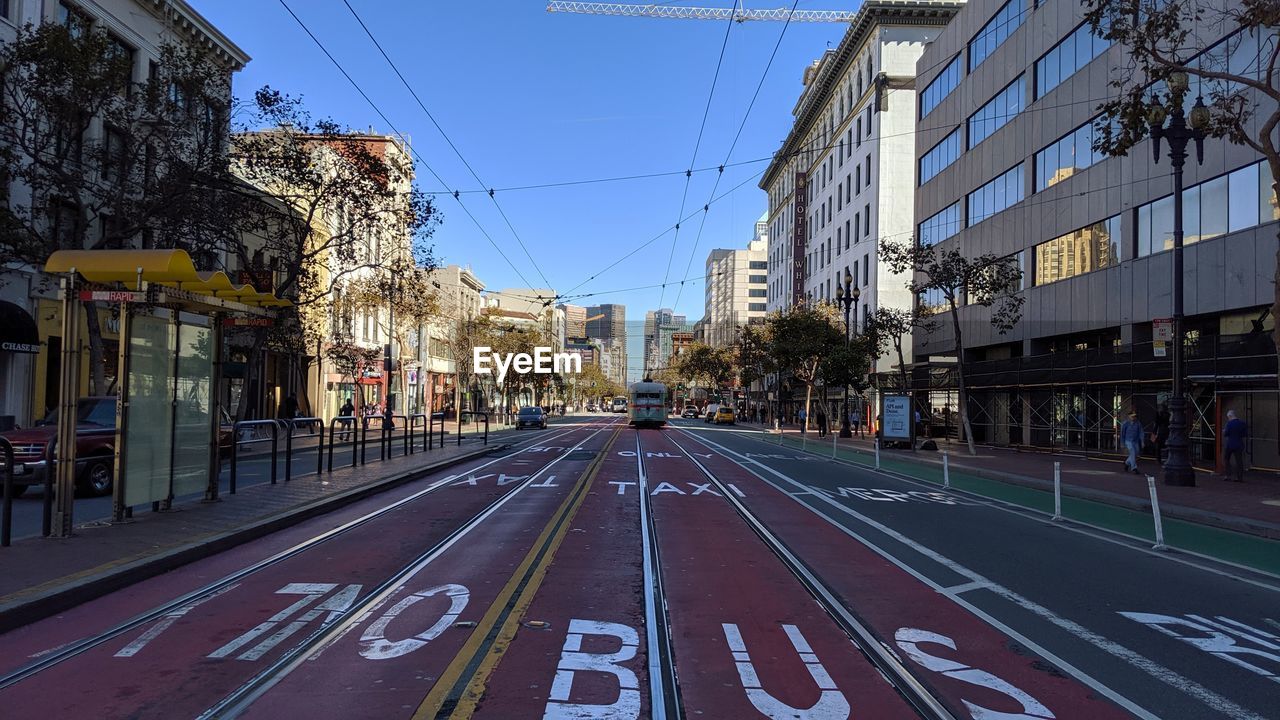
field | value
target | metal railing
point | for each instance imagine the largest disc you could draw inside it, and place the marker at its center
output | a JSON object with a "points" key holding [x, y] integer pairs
{"points": [[431, 423], [350, 425], [236, 442], [6, 514], [288, 425], [426, 434], [473, 413]]}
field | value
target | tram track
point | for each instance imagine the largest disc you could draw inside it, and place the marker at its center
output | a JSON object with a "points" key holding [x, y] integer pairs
{"points": [[194, 597], [240, 699], [906, 683], [664, 685]]}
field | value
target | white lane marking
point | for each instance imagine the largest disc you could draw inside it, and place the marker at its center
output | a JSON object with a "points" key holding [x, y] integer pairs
{"points": [[622, 485], [831, 703], [1208, 697], [165, 621], [909, 639], [657, 700], [374, 644], [966, 587], [573, 660], [1217, 643], [310, 593]]}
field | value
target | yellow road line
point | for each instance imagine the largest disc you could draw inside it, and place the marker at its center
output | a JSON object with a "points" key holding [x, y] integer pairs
{"points": [[526, 580]]}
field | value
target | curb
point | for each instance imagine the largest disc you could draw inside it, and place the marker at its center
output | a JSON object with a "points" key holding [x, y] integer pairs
{"points": [[1234, 523], [65, 596]]}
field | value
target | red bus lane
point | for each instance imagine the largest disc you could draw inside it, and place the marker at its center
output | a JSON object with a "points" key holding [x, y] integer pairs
{"points": [[748, 639], [579, 651], [406, 649], [973, 668], [208, 648]]}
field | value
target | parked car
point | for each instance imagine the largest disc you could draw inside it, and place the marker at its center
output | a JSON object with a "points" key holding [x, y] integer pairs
{"points": [[531, 417], [690, 411], [709, 413], [95, 447], [724, 415]]}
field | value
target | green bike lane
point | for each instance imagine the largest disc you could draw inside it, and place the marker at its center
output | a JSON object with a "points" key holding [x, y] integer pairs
{"points": [[1175, 636], [1248, 551]]}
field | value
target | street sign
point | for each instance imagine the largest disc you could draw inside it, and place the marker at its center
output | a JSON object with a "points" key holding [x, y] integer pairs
{"points": [[120, 296], [1159, 347], [1162, 330], [247, 322]]}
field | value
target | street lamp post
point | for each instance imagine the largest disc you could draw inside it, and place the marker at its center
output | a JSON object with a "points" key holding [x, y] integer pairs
{"points": [[847, 297], [1177, 469]]}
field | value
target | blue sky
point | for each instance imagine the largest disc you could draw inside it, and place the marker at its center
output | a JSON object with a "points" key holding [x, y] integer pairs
{"points": [[532, 97]]}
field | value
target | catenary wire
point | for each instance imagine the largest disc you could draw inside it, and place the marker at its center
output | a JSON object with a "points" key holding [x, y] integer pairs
{"points": [[447, 139], [391, 125]]}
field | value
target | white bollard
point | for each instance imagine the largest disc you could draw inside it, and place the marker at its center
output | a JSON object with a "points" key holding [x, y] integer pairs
{"points": [[1155, 513], [1057, 490], [946, 469], [834, 435], [877, 453]]}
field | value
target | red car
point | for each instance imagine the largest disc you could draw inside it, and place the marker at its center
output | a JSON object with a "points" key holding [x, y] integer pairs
{"points": [[95, 447]]}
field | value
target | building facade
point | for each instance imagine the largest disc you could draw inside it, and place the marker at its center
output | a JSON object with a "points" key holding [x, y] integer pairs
{"points": [[458, 292], [608, 323], [660, 327], [1007, 166], [842, 181], [737, 289]]}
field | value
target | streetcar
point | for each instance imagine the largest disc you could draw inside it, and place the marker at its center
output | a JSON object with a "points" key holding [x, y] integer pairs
{"points": [[648, 404]]}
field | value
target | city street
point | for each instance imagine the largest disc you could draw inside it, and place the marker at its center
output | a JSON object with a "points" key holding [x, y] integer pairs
{"points": [[601, 571]]}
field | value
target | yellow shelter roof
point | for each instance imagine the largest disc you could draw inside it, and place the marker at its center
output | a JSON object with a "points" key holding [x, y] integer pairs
{"points": [[171, 268]]}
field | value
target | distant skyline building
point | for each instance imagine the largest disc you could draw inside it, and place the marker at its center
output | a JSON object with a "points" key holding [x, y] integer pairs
{"points": [[608, 323], [575, 320], [737, 288], [659, 326]]}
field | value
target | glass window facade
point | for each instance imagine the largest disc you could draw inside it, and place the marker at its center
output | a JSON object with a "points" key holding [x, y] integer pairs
{"points": [[940, 226], [1066, 157], [999, 110], [1237, 201], [997, 30], [1090, 248], [942, 155], [1000, 193], [1067, 57], [940, 87]]}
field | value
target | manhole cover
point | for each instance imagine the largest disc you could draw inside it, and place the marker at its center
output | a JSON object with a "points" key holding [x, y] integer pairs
{"points": [[465, 624], [537, 624]]}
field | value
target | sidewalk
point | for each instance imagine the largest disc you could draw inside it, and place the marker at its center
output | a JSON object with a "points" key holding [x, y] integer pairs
{"points": [[44, 576], [1251, 507]]}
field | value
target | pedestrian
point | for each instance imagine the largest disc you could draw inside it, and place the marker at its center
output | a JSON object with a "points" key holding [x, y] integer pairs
{"points": [[1131, 439], [347, 411], [1234, 436], [800, 418], [822, 424], [1160, 433], [855, 420]]}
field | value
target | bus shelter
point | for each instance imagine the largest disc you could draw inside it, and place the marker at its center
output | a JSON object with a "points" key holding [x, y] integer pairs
{"points": [[168, 428]]}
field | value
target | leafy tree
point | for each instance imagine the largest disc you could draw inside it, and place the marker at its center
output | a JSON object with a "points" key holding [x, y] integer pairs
{"points": [[891, 327], [752, 360], [801, 340], [701, 363], [351, 359], [1239, 77], [402, 299], [987, 280]]}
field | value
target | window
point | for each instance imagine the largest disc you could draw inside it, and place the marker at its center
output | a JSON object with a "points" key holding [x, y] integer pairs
{"points": [[758, 279], [866, 269], [866, 213], [1066, 58], [1090, 248], [838, 236], [758, 265], [996, 31], [839, 196], [848, 188], [757, 292], [755, 307], [996, 195], [118, 51], [74, 18], [940, 87], [6, 10], [1066, 157], [856, 277], [940, 226], [846, 234], [113, 155], [939, 157], [857, 225], [859, 132], [63, 218], [868, 171], [999, 110], [858, 176], [1236, 201], [848, 142]]}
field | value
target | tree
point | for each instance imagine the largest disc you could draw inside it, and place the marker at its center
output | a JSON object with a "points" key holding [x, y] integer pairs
{"points": [[801, 339], [351, 359], [891, 327], [987, 280], [98, 161], [752, 360], [702, 363], [407, 295], [1229, 51]]}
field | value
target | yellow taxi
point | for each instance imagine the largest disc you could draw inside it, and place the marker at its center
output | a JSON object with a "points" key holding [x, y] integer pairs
{"points": [[724, 415]]}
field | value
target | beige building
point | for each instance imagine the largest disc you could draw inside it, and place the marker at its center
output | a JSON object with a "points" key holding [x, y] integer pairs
{"points": [[458, 292], [737, 288]]}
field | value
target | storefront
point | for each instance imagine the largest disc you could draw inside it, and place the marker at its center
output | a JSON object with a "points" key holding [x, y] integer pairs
{"points": [[19, 348]]}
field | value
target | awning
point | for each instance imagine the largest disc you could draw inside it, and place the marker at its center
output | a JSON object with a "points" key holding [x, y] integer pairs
{"points": [[170, 268], [18, 331]]}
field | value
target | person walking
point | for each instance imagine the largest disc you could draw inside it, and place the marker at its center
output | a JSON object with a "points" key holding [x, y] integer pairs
{"points": [[347, 410], [800, 419], [822, 424], [1160, 432], [1234, 435], [855, 420], [1131, 439]]}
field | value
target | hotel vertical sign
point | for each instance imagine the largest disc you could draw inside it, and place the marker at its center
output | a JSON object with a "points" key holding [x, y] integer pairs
{"points": [[800, 203]]}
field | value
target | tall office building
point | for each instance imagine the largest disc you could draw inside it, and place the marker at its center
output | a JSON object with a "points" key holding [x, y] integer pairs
{"points": [[737, 288], [1007, 166], [659, 327], [608, 323]]}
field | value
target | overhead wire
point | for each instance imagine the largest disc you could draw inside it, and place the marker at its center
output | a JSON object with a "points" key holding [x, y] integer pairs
{"points": [[392, 126], [706, 209], [447, 139]]}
